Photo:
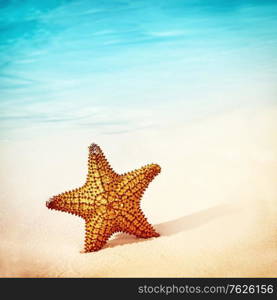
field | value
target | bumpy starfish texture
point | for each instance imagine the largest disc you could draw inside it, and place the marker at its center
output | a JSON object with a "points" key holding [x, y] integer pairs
{"points": [[108, 202]]}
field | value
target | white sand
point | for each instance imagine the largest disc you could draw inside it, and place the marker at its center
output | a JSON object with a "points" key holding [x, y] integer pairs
{"points": [[214, 203]]}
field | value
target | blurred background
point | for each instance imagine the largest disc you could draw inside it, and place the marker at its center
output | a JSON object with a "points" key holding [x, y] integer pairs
{"points": [[115, 66]]}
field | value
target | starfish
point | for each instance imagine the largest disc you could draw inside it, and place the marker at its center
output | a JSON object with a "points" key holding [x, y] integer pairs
{"points": [[108, 202]]}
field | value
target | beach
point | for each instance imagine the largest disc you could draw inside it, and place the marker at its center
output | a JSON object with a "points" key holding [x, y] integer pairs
{"points": [[214, 202]]}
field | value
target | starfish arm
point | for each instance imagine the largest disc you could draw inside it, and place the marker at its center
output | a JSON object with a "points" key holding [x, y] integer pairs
{"points": [[98, 231], [137, 224], [133, 184], [100, 174], [77, 202]]}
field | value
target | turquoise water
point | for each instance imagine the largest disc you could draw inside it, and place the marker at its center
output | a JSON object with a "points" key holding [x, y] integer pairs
{"points": [[115, 66]]}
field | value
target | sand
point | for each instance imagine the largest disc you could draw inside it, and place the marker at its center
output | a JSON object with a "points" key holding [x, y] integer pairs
{"points": [[214, 203]]}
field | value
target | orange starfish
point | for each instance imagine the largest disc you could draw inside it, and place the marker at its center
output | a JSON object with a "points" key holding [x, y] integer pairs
{"points": [[108, 202]]}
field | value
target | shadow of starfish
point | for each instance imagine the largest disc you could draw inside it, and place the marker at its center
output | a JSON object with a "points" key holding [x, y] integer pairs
{"points": [[177, 225]]}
